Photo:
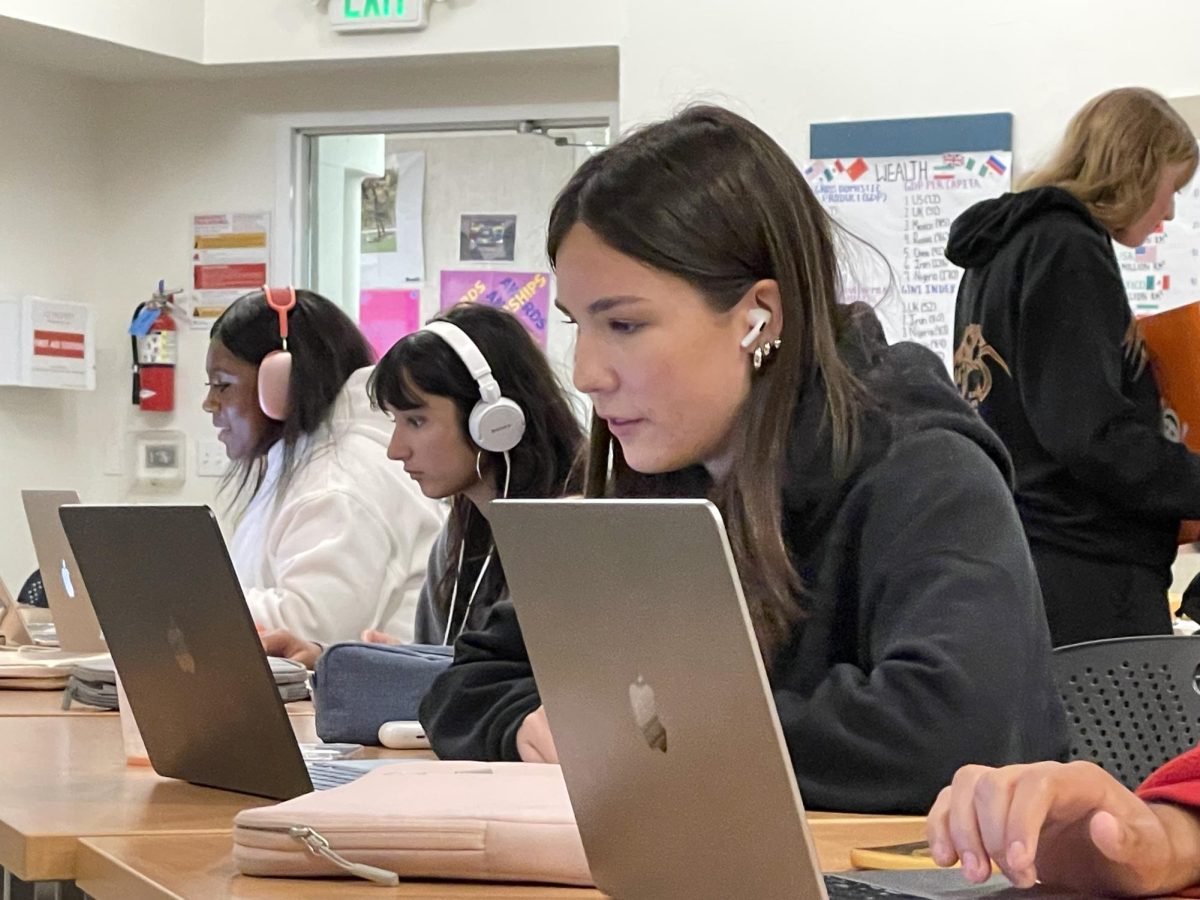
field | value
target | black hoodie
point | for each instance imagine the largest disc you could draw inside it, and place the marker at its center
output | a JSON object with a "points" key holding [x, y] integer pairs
{"points": [[1048, 351], [925, 646]]}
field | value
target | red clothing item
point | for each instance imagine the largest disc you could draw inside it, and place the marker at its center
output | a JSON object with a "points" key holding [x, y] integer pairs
{"points": [[1177, 782]]}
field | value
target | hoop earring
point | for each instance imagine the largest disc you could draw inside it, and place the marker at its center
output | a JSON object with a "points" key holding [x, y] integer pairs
{"points": [[478, 465]]}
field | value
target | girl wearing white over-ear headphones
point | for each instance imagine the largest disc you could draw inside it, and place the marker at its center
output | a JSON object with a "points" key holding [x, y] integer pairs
{"points": [[478, 414], [468, 435]]}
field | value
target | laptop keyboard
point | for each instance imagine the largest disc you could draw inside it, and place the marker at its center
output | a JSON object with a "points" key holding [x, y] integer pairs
{"points": [[840, 888], [43, 634], [325, 775], [330, 773]]}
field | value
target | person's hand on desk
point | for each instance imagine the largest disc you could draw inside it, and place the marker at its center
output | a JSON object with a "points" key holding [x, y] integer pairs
{"points": [[371, 636], [1068, 825], [282, 642], [534, 741]]}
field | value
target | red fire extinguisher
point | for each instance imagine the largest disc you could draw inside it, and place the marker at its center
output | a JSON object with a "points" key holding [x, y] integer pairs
{"points": [[155, 351]]}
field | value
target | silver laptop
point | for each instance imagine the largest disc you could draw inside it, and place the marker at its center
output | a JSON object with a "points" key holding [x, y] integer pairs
{"points": [[661, 710], [75, 622], [189, 656]]}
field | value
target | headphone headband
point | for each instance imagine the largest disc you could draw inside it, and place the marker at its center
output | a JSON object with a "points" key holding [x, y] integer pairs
{"points": [[460, 342], [496, 424], [275, 370], [281, 308]]}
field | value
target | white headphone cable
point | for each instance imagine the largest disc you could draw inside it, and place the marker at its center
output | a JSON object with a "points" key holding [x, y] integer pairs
{"points": [[457, 574], [483, 569]]}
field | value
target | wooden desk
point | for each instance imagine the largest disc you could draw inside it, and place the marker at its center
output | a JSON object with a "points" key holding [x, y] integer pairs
{"points": [[65, 777], [169, 867], [49, 703], [43, 703]]}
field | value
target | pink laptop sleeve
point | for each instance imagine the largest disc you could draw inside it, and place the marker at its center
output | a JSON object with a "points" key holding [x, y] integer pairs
{"points": [[422, 819]]}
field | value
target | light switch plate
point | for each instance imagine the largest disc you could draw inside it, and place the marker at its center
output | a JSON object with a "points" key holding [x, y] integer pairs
{"points": [[114, 457], [211, 461]]}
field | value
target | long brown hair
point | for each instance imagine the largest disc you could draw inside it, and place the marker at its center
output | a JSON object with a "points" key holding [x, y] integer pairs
{"points": [[1114, 152], [711, 198]]}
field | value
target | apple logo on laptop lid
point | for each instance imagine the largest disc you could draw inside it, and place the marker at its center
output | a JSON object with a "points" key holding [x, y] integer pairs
{"points": [[183, 656], [645, 714], [68, 585]]}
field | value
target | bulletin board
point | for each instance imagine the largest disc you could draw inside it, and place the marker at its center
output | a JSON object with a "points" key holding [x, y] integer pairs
{"points": [[1164, 272], [895, 186], [907, 218]]}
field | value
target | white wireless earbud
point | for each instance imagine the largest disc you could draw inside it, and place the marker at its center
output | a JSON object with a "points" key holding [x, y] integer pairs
{"points": [[759, 318]]}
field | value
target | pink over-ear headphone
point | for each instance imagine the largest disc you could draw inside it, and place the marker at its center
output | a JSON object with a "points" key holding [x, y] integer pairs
{"points": [[275, 371]]}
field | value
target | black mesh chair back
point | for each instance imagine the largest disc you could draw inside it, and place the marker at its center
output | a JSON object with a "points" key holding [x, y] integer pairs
{"points": [[1131, 703], [33, 592]]}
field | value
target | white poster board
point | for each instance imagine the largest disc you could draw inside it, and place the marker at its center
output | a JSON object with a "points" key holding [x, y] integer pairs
{"points": [[1164, 272], [392, 242], [900, 210], [47, 343]]}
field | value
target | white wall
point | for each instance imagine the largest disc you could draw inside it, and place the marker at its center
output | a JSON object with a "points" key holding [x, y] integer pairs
{"points": [[788, 64], [174, 28], [237, 31], [785, 63], [50, 217]]}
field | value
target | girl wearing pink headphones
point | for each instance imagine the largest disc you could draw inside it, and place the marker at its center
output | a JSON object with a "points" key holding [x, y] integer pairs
{"points": [[331, 538]]}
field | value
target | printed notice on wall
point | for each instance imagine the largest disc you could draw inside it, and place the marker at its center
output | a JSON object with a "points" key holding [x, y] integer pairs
{"points": [[230, 252], [391, 236], [1164, 272], [901, 209], [60, 350], [524, 294]]}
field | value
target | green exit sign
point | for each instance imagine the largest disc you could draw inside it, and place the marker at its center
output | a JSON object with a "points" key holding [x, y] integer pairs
{"points": [[377, 15]]}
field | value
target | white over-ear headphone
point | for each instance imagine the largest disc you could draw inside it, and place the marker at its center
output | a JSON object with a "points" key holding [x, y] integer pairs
{"points": [[496, 424]]}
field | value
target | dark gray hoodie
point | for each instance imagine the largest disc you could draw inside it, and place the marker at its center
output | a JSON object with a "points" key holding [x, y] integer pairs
{"points": [[925, 647]]}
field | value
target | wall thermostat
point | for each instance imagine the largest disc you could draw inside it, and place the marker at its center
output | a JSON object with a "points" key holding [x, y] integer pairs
{"points": [[159, 456]]}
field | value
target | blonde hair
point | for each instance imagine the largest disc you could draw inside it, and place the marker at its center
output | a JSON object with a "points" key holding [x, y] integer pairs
{"points": [[1114, 152]]}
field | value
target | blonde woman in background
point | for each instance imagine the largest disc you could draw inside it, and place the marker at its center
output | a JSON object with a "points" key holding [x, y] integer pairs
{"points": [[1049, 353]]}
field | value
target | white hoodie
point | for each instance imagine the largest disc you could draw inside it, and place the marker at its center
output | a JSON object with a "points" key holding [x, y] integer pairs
{"points": [[345, 548]]}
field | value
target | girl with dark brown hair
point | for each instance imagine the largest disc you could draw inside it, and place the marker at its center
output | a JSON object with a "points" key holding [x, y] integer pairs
{"points": [[868, 508]]}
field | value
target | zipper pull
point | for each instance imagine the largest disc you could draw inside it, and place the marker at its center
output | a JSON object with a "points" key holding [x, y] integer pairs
{"points": [[319, 846]]}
